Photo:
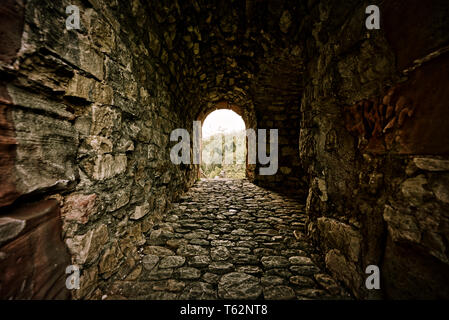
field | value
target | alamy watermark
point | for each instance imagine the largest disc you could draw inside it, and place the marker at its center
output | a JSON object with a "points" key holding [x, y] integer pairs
{"points": [[181, 152], [373, 280], [73, 280], [372, 22], [73, 20]]}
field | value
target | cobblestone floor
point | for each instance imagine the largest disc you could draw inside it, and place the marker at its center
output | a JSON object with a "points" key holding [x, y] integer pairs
{"points": [[229, 239]]}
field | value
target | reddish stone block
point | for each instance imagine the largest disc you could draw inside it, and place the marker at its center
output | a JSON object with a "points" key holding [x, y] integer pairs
{"points": [[11, 27], [78, 207], [33, 264]]}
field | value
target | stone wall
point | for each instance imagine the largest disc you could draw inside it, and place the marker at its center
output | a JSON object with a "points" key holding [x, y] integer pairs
{"points": [[374, 144], [85, 120]]}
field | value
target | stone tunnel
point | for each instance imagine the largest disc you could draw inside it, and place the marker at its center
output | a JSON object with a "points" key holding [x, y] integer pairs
{"points": [[86, 179]]}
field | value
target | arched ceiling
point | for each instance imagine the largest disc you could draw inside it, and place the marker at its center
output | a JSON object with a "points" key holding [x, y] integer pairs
{"points": [[243, 52]]}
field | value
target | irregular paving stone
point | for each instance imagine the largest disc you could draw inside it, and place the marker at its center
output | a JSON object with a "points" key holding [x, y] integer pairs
{"points": [[211, 278], [224, 243], [195, 235], [254, 270], [267, 281], [199, 242], [274, 262], [279, 293], [150, 261], [210, 245], [303, 282], [220, 267], [188, 273], [159, 295], [171, 262], [219, 253], [199, 261], [310, 293], [158, 251], [264, 252], [239, 286], [191, 250], [328, 283], [199, 291], [239, 250], [170, 285], [305, 270], [174, 244], [160, 237], [159, 274], [297, 260], [284, 273], [245, 259]]}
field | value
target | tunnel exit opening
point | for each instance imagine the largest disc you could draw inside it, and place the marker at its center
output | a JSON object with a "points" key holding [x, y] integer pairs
{"points": [[223, 146]]}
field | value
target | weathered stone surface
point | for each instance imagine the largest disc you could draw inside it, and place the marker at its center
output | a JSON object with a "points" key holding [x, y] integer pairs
{"points": [[211, 278], [274, 262], [279, 293], [239, 286], [328, 283], [199, 261], [307, 270], [188, 273], [108, 166], [402, 226], [87, 247], [160, 236], [414, 189], [158, 251], [140, 211], [172, 262], [340, 236], [10, 228], [40, 252], [431, 164], [159, 274], [219, 253], [303, 282], [343, 269], [150, 261], [79, 207], [191, 250], [269, 281], [110, 261], [298, 260], [199, 291], [170, 285], [220, 267], [12, 15], [44, 164], [252, 270]]}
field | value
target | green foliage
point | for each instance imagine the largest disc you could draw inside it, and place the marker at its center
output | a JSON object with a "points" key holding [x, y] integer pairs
{"points": [[224, 155]]}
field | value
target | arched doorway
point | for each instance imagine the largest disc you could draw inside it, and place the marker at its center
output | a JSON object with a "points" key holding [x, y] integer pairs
{"points": [[246, 118], [223, 152]]}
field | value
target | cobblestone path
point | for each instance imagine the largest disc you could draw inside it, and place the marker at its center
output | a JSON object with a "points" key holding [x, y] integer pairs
{"points": [[229, 239]]}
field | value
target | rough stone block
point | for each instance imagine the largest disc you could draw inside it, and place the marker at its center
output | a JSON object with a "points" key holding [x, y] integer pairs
{"points": [[337, 235], [39, 251], [87, 247]]}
